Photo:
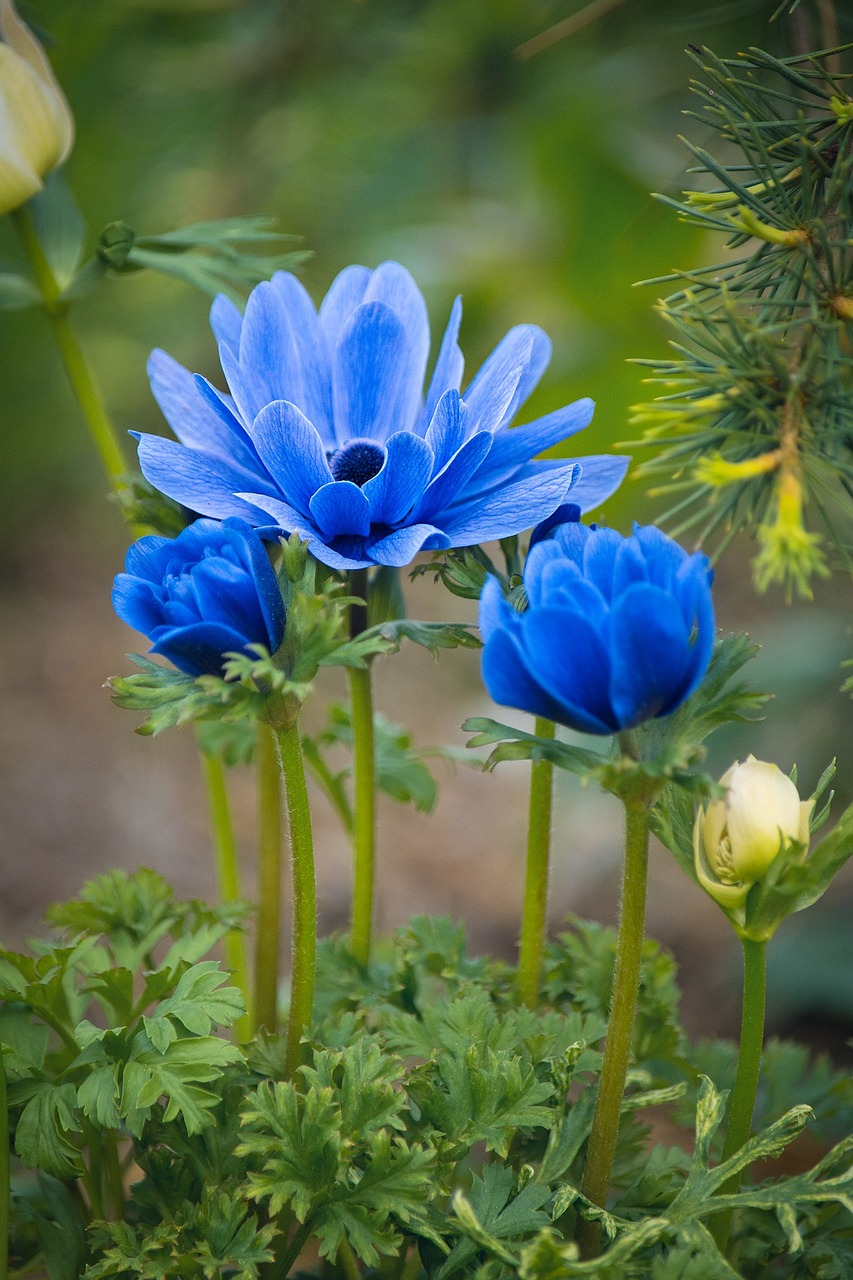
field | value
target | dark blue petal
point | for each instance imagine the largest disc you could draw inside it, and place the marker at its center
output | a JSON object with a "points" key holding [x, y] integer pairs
{"points": [[201, 482], [292, 452], [664, 557], [254, 555], [394, 490], [494, 611], [198, 649], [510, 683], [508, 510], [599, 558], [401, 546], [567, 513], [571, 539], [443, 490], [567, 657], [148, 557], [651, 654], [693, 595], [370, 364], [560, 583], [538, 559], [137, 602], [449, 365], [227, 594], [341, 508], [629, 566]]}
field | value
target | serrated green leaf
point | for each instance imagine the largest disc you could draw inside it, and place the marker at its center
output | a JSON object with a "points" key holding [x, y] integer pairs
{"points": [[490, 1213], [42, 1134], [429, 635], [199, 1003], [178, 1074]]}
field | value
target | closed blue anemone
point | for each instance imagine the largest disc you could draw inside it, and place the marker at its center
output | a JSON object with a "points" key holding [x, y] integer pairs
{"points": [[616, 630], [327, 431], [208, 592]]}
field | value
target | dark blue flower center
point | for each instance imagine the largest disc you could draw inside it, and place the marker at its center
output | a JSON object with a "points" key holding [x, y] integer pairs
{"points": [[358, 461]]}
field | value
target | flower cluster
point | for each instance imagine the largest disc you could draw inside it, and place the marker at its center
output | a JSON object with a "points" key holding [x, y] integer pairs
{"points": [[616, 630], [327, 432]]}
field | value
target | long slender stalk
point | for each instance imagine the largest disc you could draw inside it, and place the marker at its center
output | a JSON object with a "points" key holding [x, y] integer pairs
{"points": [[228, 877], [742, 1102], [5, 1172], [535, 909], [304, 934], [113, 1179], [76, 366], [623, 1008], [268, 939], [364, 784]]}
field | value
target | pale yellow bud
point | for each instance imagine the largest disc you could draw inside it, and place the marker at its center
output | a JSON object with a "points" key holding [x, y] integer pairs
{"points": [[36, 125], [736, 840]]}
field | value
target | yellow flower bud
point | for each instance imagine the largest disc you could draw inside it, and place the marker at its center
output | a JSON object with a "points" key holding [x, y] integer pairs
{"points": [[36, 125], [735, 842]]}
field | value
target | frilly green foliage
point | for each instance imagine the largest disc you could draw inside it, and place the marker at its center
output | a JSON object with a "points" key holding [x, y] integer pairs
{"points": [[436, 1123], [754, 422]]}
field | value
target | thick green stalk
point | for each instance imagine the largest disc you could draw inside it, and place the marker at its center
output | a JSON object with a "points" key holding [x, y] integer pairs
{"points": [[304, 933], [5, 1174], [742, 1102], [535, 909], [623, 1008], [268, 939], [228, 877], [76, 367], [364, 783]]}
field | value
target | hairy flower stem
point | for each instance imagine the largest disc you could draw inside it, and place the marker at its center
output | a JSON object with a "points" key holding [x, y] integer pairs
{"points": [[228, 878], [623, 1008], [304, 932], [364, 783], [742, 1101], [5, 1187], [268, 939], [79, 374], [534, 913]]}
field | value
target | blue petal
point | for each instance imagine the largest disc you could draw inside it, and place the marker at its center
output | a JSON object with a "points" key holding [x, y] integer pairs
{"points": [[227, 594], [629, 566], [137, 602], [266, 353], [198, 649], [401, 546], [237, 445], [567, 513], [509, 510], [370, 363], [345, 294], [202, 483], [651, 654], [571, 539], [309, 377], [599, 558], [693, 595], [395, 489], [508, 376], [449, 365], [494, 611], [568, 658], [292, 452], [254, 554], [601, 476], [226, 321], [193, 422], [341, 508], [287, 517], [241, 384], [446, 432], [148, 557], [510, 683], [519, 444], [560, 583], [663, 556], [443, 490], [538, 558], [392, 285]]}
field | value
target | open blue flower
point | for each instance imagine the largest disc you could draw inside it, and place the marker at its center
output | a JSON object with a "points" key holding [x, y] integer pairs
{"points": [[327, 433], [210, 591], [617, 630]]}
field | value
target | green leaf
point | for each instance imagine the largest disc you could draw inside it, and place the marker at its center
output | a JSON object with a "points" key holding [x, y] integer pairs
{"points": [[199, 1003], [60, 227], [56, 1215], [17, 292], [177, 1073], [23, 1041], [490, 1213], [429, 635], [41, 1136]]}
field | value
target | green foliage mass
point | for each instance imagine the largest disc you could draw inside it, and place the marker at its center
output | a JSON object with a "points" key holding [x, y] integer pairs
{"points": [[434, 1124]]}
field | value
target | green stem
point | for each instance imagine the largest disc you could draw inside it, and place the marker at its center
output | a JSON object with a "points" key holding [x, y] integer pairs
{"points": [[113, 1180], [534, 914], [281, 1269], [76, 367], [623, 1008], [5, 1171], [349, 1262], [228, 877], [268, 939], [304, 934], [742, 1102], [364, 811]]}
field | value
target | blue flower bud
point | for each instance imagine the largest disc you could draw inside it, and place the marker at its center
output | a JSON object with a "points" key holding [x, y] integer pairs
{"points": [[617, 630], [208, 592]]}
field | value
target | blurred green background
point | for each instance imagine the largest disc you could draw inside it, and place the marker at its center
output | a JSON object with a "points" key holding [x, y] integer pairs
{"points": [[410, 129]]}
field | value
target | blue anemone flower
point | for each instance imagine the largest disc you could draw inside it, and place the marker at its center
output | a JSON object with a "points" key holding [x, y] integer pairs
{"points": [[327, 432], [616, 631], [210, 591]]}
